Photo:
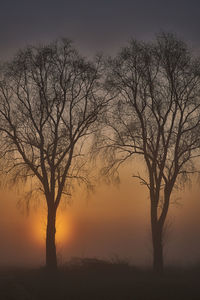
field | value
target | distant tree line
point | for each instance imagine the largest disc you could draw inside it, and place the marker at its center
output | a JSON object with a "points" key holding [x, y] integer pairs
{"points": [[143, 102]]}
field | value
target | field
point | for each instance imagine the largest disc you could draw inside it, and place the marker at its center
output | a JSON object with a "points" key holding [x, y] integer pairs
{"points": [[94, 279]]}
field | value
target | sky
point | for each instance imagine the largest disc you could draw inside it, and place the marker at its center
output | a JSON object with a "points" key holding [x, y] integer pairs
{"points": [[95, 26], [114, 221]]}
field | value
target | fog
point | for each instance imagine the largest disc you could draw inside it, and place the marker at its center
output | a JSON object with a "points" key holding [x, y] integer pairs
{"points": [[111, 223]]}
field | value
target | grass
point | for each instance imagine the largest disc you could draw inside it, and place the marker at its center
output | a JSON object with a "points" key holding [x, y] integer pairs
{"points": [[99, 280]]}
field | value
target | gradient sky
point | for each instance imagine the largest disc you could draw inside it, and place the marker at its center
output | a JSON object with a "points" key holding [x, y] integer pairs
{"points": [[95, 26]]}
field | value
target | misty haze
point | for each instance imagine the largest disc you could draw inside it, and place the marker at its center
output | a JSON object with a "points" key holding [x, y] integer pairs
{"points": [[99, 150]]}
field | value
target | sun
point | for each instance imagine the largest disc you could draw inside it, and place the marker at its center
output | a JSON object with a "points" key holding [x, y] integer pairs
{"points": [[63, 228]]}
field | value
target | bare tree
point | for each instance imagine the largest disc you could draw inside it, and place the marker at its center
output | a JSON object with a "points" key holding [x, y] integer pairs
{"points": [[49, 103], [155, 115]]}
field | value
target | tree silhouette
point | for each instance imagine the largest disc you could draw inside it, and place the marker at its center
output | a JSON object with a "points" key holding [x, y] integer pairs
{"points": [[49, 103], [155, 115]]}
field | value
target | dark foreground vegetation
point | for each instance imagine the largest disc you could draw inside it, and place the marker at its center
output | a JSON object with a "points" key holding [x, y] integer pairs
{"points": [[94, 279]]}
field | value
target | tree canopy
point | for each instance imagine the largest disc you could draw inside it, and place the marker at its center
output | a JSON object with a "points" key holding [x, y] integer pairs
{"points": [[49, 102], [156, 115]]}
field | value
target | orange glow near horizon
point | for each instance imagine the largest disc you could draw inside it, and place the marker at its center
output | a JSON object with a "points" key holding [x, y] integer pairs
{"points": [[114, 221], [63, 228]]}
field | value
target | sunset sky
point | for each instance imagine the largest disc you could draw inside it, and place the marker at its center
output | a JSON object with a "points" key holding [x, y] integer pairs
{"points": [[114, 221]]}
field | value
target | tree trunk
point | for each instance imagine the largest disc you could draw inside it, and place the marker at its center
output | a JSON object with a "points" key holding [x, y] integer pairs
{"points": [[158, 264], [51, 258]]}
